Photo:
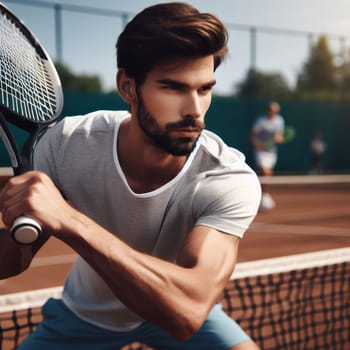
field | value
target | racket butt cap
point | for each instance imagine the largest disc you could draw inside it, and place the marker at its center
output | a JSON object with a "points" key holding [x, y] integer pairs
{"points": [[25, 230]]}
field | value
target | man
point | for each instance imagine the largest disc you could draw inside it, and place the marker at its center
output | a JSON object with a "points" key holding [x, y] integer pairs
{"points": [[317, 150], [266, 133], [154, 205]]}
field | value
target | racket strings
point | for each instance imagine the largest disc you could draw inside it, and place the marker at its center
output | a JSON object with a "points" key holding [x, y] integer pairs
{"points": [[25, 83]]}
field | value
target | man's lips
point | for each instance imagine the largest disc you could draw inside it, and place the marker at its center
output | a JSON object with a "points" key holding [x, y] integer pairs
{"points": [[187, 130], [187, 125]]}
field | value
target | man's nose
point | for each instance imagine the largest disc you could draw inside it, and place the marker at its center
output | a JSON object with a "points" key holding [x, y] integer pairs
{"points": [[192, 106]]}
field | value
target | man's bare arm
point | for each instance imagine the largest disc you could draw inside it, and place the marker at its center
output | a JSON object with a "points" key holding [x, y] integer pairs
{"points": [[176, 297], [279, 137]]}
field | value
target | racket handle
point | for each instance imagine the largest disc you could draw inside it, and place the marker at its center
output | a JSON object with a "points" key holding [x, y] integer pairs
{"points": [[25, 230]]}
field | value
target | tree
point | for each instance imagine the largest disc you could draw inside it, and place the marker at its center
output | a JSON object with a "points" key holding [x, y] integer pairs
{"points": [[319, 72], [75, 82], [263, 85]]}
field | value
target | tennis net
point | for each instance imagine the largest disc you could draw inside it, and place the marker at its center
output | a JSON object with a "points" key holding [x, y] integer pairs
{"points": [[295, 302]]}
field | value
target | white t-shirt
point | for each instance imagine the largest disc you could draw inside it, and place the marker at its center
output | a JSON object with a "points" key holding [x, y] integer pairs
{"points": [[266, 130], [215, 188]]}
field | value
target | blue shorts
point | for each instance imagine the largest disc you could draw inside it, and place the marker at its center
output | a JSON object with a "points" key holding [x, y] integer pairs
{"points": [[61, 329]]}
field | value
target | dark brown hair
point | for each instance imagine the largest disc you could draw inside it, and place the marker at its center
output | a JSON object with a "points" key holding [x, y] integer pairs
{"points": [[167, 32]]}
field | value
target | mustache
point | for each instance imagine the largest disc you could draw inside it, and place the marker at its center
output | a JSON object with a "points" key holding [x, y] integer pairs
{"points": [[185, 123]]}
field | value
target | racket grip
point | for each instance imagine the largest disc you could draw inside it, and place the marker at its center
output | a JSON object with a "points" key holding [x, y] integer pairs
{"points": [[25, 230]]}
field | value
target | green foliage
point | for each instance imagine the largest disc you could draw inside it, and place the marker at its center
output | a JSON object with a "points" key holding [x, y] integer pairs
{"points": [[319, 72], [320, 79], [263, 85], [78, 82]]}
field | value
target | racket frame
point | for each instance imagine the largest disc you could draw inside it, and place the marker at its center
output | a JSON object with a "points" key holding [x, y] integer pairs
{"points": [[22, 160]]}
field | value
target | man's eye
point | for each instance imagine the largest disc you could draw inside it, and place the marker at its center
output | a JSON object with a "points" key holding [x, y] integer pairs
{"points": [[172, 87], [205, 89]]}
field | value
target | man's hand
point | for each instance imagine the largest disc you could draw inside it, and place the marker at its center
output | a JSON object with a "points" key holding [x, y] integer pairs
{"points": [[279, 138], [34, 195]]}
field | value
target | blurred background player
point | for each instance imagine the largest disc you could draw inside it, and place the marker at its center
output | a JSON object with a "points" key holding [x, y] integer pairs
{"points": [[266, 133], [317, 148]]}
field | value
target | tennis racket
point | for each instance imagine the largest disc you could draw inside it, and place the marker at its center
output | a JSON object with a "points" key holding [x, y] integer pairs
{"points": [[31, 99], [288, 136]]}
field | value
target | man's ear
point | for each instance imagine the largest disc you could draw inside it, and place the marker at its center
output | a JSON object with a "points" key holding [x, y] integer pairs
{"points": [[126, 86]]}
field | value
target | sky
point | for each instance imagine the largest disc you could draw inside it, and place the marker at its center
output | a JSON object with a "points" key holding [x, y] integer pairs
{"points": [[88, 40]]}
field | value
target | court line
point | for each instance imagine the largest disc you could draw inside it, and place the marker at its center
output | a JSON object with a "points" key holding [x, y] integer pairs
{"points": [[45, 261], [276, 179], [305, 179], [53, 260], [257, 227], [300, 229]]}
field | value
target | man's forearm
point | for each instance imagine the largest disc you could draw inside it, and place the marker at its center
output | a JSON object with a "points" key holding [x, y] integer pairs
{"points": [[137, 282], [174, 297]]}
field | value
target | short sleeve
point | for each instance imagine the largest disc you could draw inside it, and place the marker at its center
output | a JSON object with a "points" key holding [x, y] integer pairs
{"points": [[228, 203]]}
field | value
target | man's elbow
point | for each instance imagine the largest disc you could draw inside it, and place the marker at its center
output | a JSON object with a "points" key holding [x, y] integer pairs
{"points": [[189, 325]]}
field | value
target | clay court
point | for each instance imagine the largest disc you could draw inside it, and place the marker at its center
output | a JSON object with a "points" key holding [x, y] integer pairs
{"points": [[312, 214]]}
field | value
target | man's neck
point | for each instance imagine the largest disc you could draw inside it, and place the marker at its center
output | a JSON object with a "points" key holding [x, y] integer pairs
{"points": [[145, 166]]}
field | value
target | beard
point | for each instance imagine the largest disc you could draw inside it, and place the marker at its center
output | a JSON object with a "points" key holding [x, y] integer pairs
{"points": [[161, 137]]}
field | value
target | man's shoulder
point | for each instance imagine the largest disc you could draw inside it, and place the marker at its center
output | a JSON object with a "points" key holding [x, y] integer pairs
{"points": [[260, 120], [219, 160], [216, 149], [94, 120], [75, 128]]}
